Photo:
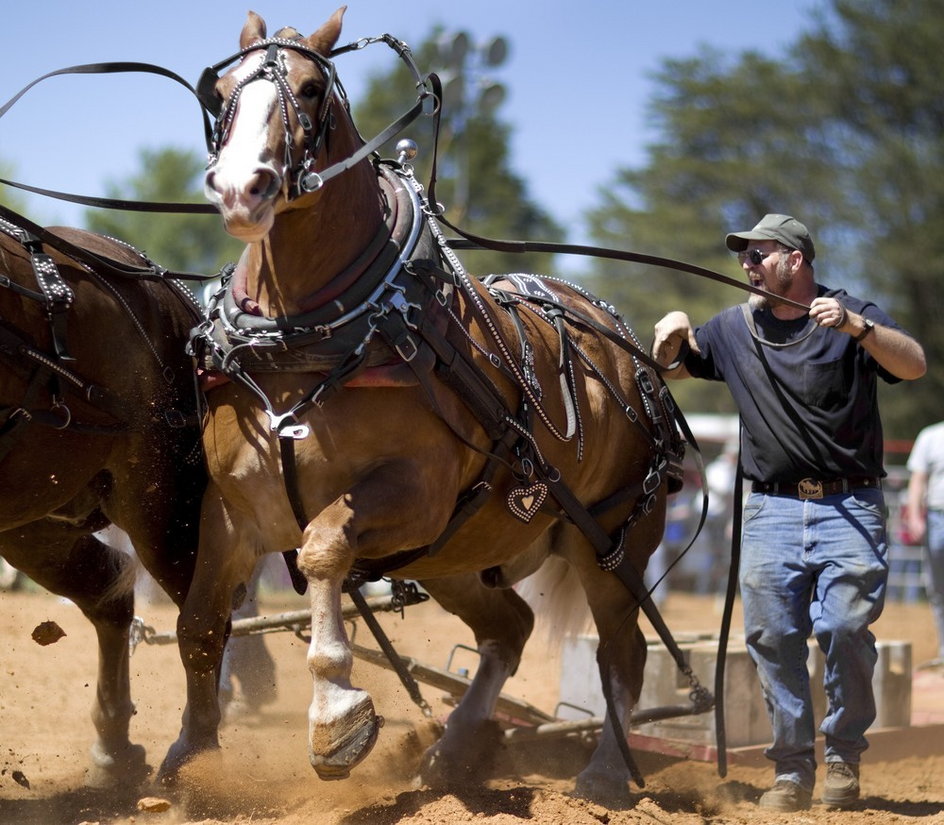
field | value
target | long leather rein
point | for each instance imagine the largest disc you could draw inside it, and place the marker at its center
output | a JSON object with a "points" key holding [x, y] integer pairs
{"points": [[430, 89]]}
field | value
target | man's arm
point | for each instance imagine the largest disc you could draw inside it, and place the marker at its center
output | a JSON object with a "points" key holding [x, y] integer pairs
{"points": [[914, 514], [897, 352]]}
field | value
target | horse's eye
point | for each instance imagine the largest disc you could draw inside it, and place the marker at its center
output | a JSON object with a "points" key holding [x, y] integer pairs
{"points": [[310, 91]]}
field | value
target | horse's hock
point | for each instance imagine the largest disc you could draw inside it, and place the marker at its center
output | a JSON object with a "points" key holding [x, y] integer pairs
{"points": [[746, 721]]}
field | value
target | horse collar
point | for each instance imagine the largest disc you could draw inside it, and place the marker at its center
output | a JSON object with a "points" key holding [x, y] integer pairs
{"points": [[338, 319]]}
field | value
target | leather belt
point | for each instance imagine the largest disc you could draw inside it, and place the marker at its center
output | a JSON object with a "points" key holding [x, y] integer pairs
{"points": [[812, 488]]}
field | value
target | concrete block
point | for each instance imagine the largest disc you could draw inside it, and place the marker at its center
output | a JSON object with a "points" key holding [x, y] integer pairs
{"points": [[891, 684], [746, 721]]}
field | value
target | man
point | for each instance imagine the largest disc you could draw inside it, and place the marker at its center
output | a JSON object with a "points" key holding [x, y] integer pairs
{"points": [[801, 364], [925, 519]]}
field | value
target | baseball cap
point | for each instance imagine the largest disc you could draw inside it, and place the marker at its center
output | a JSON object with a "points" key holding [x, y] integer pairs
{"points": [[772, 227]]}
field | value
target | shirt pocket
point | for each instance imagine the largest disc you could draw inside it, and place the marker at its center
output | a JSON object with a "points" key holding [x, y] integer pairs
{"points": [[823, 384]]}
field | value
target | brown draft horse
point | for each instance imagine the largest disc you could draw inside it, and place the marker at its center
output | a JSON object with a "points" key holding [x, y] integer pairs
{"points": [[389, 414], [98, 425]]}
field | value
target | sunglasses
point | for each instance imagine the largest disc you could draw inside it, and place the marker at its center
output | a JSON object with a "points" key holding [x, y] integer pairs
{"points": [[755, 256]]}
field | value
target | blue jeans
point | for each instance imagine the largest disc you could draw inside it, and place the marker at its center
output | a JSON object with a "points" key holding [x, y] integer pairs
{"points": [[934, 572], [820, 567]]}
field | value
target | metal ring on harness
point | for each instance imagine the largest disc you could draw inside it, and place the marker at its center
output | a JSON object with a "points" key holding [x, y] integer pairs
{"points": [[57, 407]]}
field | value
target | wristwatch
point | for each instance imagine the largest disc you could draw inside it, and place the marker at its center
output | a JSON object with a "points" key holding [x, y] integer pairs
{"points": [[869, 326]]}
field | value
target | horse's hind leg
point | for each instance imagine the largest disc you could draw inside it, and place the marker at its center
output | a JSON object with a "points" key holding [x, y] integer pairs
{"points": [[502, 622], [70, 562], [622, 650]]}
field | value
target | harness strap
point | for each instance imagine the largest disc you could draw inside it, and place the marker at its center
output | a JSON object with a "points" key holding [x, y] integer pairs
{"points": [[15, 349], [406, 678], [98, 263], [12, 428], [59, 299]]}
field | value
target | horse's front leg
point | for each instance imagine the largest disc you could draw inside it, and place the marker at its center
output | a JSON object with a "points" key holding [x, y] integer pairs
{"points": [[376, 512], [225, 558], [342, 723]]}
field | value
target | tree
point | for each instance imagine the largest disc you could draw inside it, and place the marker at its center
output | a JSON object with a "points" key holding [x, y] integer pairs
{"points": [[845, 133], [182, 242], [10, 197], [475, 181]]}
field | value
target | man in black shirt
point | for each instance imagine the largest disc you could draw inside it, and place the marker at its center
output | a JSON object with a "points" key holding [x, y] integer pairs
{"points": [[814, 555]]}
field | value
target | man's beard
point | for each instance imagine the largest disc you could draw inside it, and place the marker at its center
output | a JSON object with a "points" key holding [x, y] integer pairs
{"points": [[784, 280]]}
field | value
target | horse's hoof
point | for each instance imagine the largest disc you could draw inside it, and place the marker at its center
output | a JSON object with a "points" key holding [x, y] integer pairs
{"points": [[127, 767], [175, 763], [445, 765], [611, 794], [349, 752]]}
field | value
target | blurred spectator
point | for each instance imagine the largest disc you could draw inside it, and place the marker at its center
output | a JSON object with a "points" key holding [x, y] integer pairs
{"points": [[924, 517], [720, 476]]}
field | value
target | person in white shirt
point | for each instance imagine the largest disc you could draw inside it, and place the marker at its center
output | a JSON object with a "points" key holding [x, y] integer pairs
{"points": [[925, 518]]}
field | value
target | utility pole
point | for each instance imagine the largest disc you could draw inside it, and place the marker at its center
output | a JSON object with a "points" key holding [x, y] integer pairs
{"points": [[468, 92]]}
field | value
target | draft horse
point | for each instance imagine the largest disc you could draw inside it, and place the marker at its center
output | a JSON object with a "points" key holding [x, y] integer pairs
{"points": [[98, 425], [387, 414]]}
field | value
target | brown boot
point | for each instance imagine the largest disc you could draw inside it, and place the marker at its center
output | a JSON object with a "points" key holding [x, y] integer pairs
{"points": [[786, 796], [842, 784]]}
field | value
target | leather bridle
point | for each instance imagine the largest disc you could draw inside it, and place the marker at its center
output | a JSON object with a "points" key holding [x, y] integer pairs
{"points": [[302, 175], [272, 68]]}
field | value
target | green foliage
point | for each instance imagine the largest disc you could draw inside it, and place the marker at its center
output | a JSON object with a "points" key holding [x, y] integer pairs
{"points": [[10, 197], [180, 242], [474, 179], [845, 133]]}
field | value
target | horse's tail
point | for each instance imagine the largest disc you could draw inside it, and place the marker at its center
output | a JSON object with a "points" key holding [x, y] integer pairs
{"points": [[556, 596], [126, 562]]}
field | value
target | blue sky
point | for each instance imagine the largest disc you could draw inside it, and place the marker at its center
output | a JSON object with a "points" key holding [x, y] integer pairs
{"points": [[578, 77]]}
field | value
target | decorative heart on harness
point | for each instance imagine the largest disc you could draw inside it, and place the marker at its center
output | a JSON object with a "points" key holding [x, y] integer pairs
{"points": [[524, 502]]}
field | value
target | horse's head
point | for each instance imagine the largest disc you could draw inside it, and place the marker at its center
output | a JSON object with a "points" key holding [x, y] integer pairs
{"points": [[275, 108]]}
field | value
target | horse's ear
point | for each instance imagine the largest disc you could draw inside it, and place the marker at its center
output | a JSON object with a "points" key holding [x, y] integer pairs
{"points": [[323, 40], [253, 30]]}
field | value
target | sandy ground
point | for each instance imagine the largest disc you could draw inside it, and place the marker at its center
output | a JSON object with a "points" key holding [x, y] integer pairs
{"points": [[262, 775]]}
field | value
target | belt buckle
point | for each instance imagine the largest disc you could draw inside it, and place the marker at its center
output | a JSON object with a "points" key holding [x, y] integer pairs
{"points": [[809, 488]]}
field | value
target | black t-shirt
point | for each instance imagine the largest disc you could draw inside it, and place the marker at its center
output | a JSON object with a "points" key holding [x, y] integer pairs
{"points": [[809, 408]]}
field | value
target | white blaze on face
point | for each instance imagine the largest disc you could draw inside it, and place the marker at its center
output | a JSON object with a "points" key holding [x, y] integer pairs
{"points": [[245, 178]]}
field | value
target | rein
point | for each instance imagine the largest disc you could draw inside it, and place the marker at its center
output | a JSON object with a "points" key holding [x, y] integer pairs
{"points": [[112, 203], [430, 88]]}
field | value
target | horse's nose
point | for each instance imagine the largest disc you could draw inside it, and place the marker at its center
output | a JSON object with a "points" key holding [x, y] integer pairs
{"points": [[264, 183], [260, 185]]}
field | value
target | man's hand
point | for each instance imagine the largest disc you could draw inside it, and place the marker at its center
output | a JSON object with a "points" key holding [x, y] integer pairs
{"points": [[669, 335], [828, 312]]}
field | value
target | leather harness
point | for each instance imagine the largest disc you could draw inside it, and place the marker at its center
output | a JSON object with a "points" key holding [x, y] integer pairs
{"points": [[407, 319], [55, 372], [411, 321]]}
